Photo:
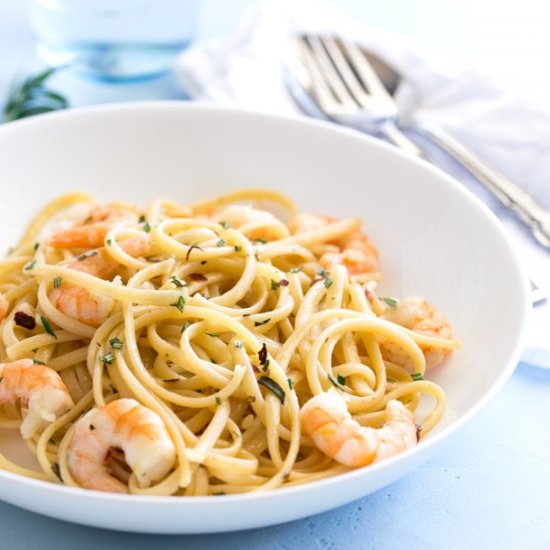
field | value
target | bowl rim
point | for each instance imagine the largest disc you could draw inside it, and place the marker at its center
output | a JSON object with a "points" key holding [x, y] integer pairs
{"points": [[326, 126]]}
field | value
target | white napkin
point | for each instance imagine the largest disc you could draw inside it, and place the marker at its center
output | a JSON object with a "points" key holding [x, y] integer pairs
{"points": [[245, 70]]}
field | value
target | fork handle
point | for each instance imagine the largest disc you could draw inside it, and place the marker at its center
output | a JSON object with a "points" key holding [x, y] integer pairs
{"points": [[535, 216]]}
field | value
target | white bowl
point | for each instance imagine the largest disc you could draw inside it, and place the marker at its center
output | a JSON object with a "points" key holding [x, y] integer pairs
{"points": [[436, 240]]}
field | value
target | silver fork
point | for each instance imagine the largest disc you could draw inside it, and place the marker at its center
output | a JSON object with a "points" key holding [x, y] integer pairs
{"points": [[346, 89]]}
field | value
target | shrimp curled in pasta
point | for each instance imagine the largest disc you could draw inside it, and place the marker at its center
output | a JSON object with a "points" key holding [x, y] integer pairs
{"points": [[138, 431], [40, 390], [326, 419]]}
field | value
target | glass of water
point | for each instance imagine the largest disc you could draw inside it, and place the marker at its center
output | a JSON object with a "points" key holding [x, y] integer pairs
{"points": [[113, 40]]}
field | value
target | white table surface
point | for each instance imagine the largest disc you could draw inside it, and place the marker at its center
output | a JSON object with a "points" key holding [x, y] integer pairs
{"points": [[490, 488]]}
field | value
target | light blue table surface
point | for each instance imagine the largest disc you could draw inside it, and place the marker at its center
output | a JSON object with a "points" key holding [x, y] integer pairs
{"points": [[490, 487]]}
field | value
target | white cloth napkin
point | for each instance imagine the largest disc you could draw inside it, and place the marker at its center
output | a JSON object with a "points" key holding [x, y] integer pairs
{"points": [[245, 70]]}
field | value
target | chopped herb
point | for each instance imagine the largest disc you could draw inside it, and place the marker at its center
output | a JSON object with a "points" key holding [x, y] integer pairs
{"points": [[273, 387], [47, 326], [193, 246], [328, 282], [180, 304], [335, 382], [218, 400], [92, 427], [265, 368], [109, 242], [274, 284], [175, 281], [56, 470], [238, 344], [30, 265], [290, 383], [116, 343], [87, 255], [38, 362], [221, 242], [417, 376], [57, 282], [213, 334], [146, 226], [23, 320], [198, 277], [283, 282], [322, 273], [297, 269], [392, 302], [225, 225], [341, 379], [260, 323], [262, 241], [141, 219], [107, 359], [262, 354], [36, 245]]}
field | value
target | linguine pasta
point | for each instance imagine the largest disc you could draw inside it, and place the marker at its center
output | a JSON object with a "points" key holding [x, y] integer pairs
{"points": [[224, 330]]}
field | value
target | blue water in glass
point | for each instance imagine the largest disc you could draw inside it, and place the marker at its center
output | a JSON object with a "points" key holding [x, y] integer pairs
{"points": [[113, 40]]}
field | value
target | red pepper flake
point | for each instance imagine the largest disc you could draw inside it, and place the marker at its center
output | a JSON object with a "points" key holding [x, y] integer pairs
{"points": [[370, 296], [262, 354], [283, 282], [255, 368], [24, 320], [198, 277]]}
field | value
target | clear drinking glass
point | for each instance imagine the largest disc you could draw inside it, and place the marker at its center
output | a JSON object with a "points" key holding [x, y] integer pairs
{"points": [[113, 40]]}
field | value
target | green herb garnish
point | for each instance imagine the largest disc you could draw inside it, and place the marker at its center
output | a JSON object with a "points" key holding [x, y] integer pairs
{"points": [[237, 248], [30, 265], [116, 343], [274, 284], [273, 387], [341, 379], [328, 282], [107, 359], [218, 400], [36, 245], [57, 282], [180, 304], [336, 383], [290, 383], [262, 241], [238, 344], [109, 242], [260, 323], [392, 302], [38, 362], [221, 242], [225, 225], [146, 226], [176, 282], [297, 269], [47, 326], [417, 376]]}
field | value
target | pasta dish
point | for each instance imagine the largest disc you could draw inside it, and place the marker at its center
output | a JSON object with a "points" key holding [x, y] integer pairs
{"points": [[221, 347]]}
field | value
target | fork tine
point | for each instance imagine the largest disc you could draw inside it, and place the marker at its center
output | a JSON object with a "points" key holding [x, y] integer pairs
{"points": [[363, 68], [313, 80], [342, 66], [328, 71]]}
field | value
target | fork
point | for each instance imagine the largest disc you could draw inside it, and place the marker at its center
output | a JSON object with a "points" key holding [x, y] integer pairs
{"points": [[338, 77]]}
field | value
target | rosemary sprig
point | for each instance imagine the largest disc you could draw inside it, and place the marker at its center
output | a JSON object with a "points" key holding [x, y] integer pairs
{"points": [[33, 98]]}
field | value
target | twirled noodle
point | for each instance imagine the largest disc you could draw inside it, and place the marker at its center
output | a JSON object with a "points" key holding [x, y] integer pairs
{"points": [[222, 333]]}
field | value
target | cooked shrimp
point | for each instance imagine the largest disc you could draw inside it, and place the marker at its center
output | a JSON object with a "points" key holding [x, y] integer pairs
{"points": [[420, 316], [4, 306], [326, 419], [40, 390], [84, 305], [355, 251], [122, 424], [91, 234], [254, 223]]}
